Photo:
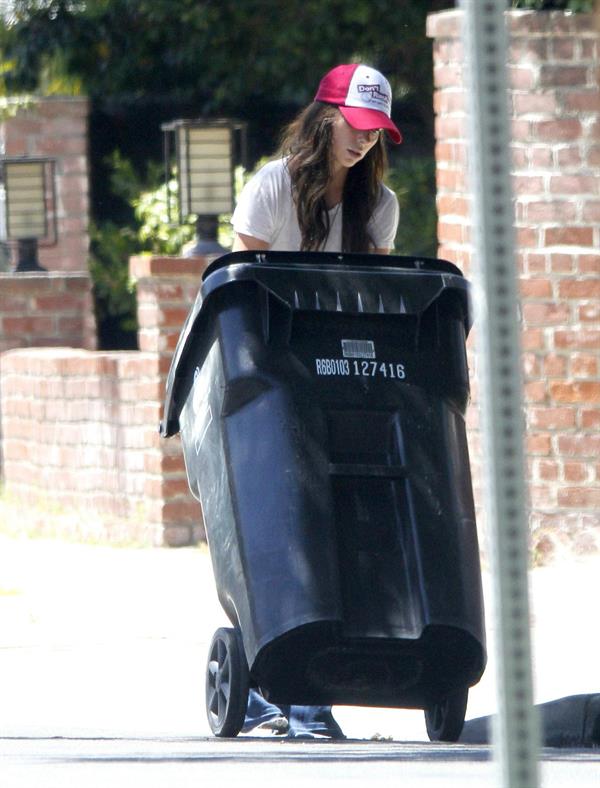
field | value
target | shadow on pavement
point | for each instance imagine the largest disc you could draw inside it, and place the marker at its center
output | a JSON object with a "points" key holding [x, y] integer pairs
{"points": [[573, 721]]}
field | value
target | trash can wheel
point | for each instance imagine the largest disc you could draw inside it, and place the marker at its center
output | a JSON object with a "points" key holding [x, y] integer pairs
{"points": [[227, 683], [445, 718]]}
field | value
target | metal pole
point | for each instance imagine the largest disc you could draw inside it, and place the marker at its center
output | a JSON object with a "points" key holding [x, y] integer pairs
{"points": [[516, 727]]}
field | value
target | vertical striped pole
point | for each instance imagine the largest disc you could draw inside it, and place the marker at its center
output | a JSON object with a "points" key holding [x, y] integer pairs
{"points": [[516, 735]]}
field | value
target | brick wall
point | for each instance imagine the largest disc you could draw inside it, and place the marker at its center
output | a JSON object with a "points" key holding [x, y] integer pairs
{"points": [[79, 433], [80, 428], [50, 309], [554, 102], [57, 127]]}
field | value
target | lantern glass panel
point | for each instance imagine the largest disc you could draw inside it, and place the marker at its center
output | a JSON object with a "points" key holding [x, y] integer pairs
{"points": [[205, 177], [25, 186]]}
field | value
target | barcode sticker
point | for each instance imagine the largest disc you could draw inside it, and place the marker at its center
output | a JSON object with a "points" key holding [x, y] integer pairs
{"points": [[358, 348]]}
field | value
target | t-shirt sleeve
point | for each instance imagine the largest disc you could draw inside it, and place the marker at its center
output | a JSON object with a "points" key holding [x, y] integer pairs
{"points": [[255, 212], [384, 222]]}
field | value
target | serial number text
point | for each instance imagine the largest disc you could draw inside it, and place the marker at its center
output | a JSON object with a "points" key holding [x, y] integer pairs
{"points": [[345, 367]]}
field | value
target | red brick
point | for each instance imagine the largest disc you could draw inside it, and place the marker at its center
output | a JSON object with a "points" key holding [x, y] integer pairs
{"points": [[593, 156], [180, 510], [546, 313], [521, 77], [554, 366], [528, 184], [450, 128], [581, 100], [453, 180], [535, 288], [535, 391], [164, 463], [590, 419], [529, 103], [531, 365], [591, 211], [575, 471], [586, 338], [551, 211], [520, 130], [528, 22], [543, 496], [562, 263], [448, 75], [29, 325], [444, 25], [547, 470], [589, 263], [579, 446], [584, 365], [562, 130], [541, 156], [519, 156], [538, 443], [448, 102], [173, 316], [579, 391], [568, 236], [562, 76], [562, 48], [453, 205], [589, 313], [551, 418], [581, 497], [165, 487], [536, 263], [574, 184], [527, 238], [579, 288], [450, 232], [143, 266], [568, 157]]}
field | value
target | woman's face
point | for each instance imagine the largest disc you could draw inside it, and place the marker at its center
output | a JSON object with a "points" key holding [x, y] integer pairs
{"points": [[349, 145]]}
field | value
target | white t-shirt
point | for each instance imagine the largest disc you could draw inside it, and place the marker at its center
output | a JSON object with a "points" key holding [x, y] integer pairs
{"points": [[266, 210]]}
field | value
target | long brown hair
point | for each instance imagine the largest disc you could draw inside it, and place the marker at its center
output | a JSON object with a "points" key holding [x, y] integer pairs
{"points": [[307, 143]]}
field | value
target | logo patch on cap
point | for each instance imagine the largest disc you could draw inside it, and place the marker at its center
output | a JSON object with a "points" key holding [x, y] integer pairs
{"points": [[374, 93], [369, 89]]}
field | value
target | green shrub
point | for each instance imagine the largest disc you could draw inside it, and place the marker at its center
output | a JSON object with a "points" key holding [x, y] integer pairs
{"points": [[114, 296], [155, 230], [413, 180]]}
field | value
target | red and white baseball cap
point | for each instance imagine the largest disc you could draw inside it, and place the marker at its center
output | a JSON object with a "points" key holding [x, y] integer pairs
{"points": [[363, 95]]}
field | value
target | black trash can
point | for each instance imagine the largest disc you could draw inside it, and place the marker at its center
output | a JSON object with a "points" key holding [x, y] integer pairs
{"points": [[321, 399]]}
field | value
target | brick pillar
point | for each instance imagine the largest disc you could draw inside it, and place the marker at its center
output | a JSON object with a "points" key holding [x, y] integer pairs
{"points": [[166, 290], [57, 127], [554, 101]]}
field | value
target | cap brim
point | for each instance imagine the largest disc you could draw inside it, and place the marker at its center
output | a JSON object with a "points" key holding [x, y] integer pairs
{"points": [[367, 119]]}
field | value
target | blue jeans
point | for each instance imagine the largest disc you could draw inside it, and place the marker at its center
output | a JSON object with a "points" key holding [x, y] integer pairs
{"points": [[303, 720]]}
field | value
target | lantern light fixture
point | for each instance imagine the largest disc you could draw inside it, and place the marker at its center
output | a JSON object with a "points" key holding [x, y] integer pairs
{"points": [[206, 153], [27, 207]]}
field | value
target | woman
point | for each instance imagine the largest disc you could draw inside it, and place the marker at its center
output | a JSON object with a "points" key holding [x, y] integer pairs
{"points": [[324, 192]]}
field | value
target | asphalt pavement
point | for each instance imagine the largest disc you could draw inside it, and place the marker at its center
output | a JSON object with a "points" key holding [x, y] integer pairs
{"points": [[101, 644]]}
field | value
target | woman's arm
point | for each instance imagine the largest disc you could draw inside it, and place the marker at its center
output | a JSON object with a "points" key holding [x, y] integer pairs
{"points": [[246, 243], [381, 251]]}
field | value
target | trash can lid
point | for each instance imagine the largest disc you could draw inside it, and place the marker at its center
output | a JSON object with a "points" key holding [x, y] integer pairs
{"points": [[334, 259], [320, 281]]}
